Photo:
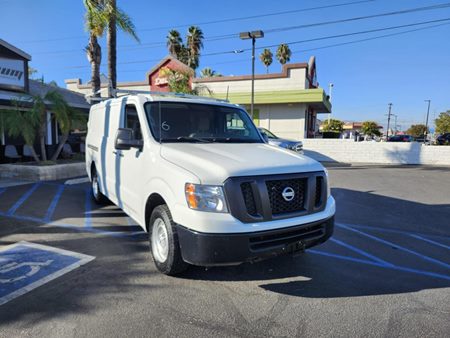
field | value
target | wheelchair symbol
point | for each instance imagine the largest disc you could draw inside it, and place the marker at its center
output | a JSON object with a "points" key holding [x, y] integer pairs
{"points": [[34, 268]]}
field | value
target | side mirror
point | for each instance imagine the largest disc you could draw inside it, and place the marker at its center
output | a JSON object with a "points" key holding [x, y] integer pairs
{"points": [[265, 137], [125, 140]]}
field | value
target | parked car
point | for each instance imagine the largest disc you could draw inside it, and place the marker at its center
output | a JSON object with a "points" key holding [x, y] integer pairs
{"points": [[296, 146], [443, 139], [401, 138], [197, 175]]}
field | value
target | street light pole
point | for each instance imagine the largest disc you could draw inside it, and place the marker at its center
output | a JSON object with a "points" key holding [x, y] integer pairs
{"points": [[252, 35], [389, 121], [330, 89], [426, 123]]}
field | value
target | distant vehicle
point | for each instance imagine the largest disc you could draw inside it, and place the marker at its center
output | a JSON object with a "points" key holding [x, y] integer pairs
{"points": [[443, 139], [401, 138], [274, 140]]}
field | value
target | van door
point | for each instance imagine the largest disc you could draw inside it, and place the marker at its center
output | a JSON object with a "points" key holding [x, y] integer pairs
{"points": [[130, 173]]}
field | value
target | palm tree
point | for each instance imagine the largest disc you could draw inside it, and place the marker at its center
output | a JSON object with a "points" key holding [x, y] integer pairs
{"points": [[174, 43], [65, 119], [22, 123], [115, 18], [266, 58], [194, 45], [95, 25], [208, 72], [283, 53]]}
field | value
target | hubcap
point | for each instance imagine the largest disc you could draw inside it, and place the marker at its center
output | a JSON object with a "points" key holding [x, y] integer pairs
{"points": [[95, 186], [160, 241]]}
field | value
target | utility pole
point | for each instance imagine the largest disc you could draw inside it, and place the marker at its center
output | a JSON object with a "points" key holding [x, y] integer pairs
{"points": [[389, 121], [426, 123]]}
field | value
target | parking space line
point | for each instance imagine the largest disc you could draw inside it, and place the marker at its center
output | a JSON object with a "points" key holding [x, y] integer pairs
{"points": [[87, 210], [54, 203], [361, 252], [430, 241], [392, 267], [432, 260], [394, 231], [22, 199]]}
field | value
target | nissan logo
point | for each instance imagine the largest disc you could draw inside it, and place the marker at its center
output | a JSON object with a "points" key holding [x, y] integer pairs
{"points": [[288, 194]]}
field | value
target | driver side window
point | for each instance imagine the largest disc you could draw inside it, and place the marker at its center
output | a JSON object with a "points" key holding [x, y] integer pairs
{"points": [[132, 121]]}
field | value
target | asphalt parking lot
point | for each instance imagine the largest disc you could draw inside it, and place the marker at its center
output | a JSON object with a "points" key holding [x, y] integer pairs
{"points": [[384, 273]]}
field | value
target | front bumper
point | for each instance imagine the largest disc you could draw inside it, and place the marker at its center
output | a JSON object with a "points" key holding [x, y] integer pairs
{"points": [[210, 249]]}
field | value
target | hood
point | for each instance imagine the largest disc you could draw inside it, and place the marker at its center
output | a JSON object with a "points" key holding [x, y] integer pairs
{"points": [[213, 163]]}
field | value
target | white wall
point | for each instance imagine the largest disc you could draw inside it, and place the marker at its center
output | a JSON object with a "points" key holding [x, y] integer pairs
{"points": [[296, 80], [348, 151], [284, 120]]}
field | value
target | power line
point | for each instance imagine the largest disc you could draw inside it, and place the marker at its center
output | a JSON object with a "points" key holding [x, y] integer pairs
{"points": [[281, 29], [222, 20]]}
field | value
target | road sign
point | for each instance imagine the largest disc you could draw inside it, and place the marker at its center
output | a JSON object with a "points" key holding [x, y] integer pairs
{"points": [[25, 266]]}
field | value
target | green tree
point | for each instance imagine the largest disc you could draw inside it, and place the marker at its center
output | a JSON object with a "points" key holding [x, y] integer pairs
{"points": [[443, 123], [334, 126], [180, 82], [417, 130], [34, 120], [266, 58], [208, 72], [189, 54], [370, 128], [283, 53], [22, 123]]}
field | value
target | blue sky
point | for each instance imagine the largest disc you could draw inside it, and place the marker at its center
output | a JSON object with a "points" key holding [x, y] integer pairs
{"points": [[404, 69]]}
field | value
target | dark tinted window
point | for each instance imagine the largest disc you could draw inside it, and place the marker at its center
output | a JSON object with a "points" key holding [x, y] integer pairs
{"points": [[193, 122], [132, 121]]}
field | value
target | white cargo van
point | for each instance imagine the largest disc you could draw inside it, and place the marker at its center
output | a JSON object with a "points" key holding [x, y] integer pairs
{"points": [[200, 178]]}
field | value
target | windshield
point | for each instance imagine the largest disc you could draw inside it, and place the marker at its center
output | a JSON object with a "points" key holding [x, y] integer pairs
{"points": [[268, 133], [193, 122]]}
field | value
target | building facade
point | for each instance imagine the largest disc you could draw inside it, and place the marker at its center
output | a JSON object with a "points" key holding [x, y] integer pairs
{"points": [[286, 103], [17, 92]]}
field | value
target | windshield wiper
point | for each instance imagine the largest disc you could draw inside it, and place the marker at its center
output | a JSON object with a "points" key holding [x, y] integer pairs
{"points": [[186, 139], [234, 140]]}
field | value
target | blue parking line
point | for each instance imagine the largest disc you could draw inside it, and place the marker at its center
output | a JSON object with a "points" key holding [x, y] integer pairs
{"points": [[430, 241], [54, 203], [393, 231], [361, 252], [87, 210], [412, 252], [22, 199], [391, 267]]}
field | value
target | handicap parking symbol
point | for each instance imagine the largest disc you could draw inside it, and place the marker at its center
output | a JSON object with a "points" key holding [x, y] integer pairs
{"points": [[25, 266]]}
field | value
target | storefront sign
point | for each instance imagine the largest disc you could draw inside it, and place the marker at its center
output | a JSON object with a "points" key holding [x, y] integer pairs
{"points": [[12, 74]]}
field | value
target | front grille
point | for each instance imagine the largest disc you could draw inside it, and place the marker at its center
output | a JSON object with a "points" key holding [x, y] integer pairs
{"points": [[249, 199], [278, 203], [319, 184], [263, 242]]}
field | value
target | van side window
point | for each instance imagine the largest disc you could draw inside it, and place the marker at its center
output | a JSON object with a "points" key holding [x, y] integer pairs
{"points": [[132, 121]]}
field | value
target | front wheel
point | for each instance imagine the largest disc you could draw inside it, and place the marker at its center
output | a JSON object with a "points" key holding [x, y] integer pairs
{"points": [[164, 242], [97, 195]]}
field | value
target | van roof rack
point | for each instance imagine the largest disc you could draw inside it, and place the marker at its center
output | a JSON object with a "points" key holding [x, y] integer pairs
{"points": [[90, 98]]}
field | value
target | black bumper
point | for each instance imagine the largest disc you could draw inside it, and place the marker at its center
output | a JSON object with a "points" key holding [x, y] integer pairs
{"points": [[206, 249]]}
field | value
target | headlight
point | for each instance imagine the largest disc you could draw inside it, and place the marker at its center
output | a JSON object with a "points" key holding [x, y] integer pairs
{"points": [[327, 183], [205, 197]]}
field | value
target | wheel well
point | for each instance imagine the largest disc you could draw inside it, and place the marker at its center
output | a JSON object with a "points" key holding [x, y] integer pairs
{"points": [[152, 202], [92, 168]]}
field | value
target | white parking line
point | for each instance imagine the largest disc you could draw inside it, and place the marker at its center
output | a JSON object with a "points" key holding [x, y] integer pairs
{"points": [[77, 181]]}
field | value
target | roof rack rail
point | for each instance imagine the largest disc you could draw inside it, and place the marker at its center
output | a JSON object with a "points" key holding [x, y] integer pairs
{"points": [[115, 92]]}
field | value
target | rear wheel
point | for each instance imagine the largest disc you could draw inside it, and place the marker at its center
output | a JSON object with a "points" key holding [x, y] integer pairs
{"points": [[164, 242], [97, 195]]}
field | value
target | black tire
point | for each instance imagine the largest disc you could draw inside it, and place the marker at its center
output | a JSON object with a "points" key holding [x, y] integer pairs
{"points": [[97, 195], [173, 263]]}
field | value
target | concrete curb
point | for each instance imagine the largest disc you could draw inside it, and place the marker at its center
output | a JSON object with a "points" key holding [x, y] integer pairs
{"points": [[42, 173]]}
